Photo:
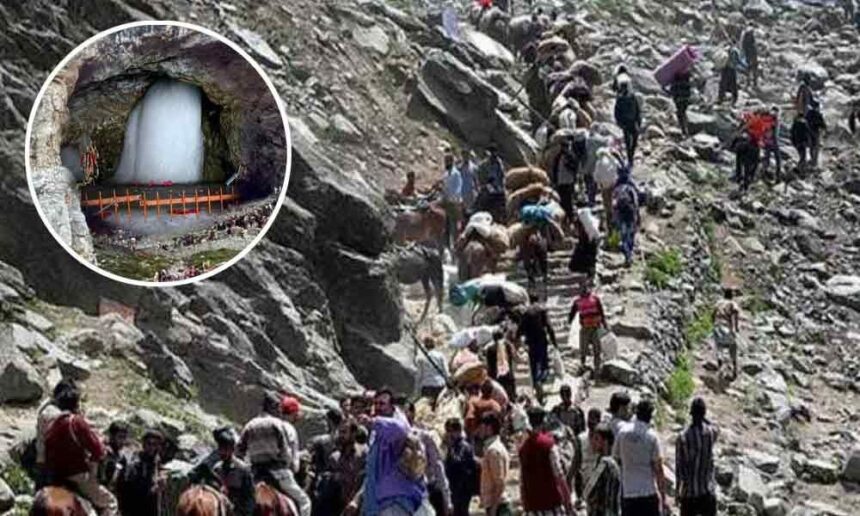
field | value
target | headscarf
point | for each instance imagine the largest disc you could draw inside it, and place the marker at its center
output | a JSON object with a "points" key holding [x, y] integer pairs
{"points": [[385, 483]]}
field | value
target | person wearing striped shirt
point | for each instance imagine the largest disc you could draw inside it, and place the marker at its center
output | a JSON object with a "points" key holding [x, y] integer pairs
{"points": [[602, 491], [694, 464]]}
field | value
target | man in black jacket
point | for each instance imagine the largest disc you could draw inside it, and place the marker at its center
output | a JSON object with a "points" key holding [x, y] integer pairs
{"points": [[801, 140], [628, 116]]}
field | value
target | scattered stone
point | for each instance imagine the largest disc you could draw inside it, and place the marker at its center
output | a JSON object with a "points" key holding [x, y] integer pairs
{"points": [[816, 471], [851, 471], [257, 44], [750, 488], [620, 371], [344, 129], [373, 38], [634, 329], [775, 507], [767, 463], [73, 368]]}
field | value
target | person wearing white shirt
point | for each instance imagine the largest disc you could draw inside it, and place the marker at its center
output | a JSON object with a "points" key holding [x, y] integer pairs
{"points": [[431, 374], [637, 450]]}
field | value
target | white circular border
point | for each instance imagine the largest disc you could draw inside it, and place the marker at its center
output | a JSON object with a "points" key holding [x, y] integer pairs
{"points": [[247, 248]]}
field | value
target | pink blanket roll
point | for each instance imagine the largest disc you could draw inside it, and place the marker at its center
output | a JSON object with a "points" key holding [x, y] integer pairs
{"points": [[680, 62]]}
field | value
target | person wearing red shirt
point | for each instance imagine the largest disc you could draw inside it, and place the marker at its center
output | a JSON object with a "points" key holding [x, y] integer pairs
{"points": [[543, 488], [73, 450], [591, 320]]}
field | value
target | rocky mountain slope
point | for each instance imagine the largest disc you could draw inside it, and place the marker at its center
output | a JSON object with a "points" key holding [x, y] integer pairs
{"points": [[375, 91]]}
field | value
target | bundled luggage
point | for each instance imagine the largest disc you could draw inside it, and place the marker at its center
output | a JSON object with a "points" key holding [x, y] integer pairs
{"points": [[462, 338], [680, 62], [520, 177], [482, 228], [471, 373]]}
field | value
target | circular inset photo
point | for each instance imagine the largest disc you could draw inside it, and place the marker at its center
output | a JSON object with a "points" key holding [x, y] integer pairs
{"points": [[158, 153]]}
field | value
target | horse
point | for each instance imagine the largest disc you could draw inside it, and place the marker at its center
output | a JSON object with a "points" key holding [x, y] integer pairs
{"points": [[421, 263], [474, 260], [271, 502], [202, 501], [534, 255], [425, 224], [58, 501]]}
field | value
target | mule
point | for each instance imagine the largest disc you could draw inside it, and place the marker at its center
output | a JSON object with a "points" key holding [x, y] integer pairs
{"points": [[422, 225], [271, 502], [534, 254], [202, 501], [475, 260], [59, 501], [421, 263]]}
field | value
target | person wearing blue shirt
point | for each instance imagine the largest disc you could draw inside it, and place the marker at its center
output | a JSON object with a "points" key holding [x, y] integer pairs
{"points": [[452, 200], [469, 176]]}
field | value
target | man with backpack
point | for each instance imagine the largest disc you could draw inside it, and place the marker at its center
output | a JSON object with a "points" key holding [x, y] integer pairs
{"points": [[746, 158], [729, 76], [72, 451], [626, 212], [815, 121], [628, 116]]}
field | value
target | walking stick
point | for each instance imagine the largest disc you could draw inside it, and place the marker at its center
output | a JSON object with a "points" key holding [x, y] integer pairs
{"points": [[411, 330]]}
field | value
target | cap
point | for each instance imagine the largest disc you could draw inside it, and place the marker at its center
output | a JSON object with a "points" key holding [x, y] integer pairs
{"points": [[290, 405]]}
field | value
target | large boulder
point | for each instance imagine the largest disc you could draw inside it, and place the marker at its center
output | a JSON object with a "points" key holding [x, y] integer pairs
{"points": [[19, 381], [469, 106], [620, 371], [844, 290]]}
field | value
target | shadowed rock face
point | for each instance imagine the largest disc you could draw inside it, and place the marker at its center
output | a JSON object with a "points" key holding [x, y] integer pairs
{"points": [[311, 310]]}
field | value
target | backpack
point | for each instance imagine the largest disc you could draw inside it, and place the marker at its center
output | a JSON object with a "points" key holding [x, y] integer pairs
{"points": [[626, 200], [413, 459]]}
